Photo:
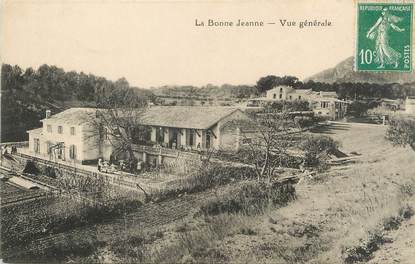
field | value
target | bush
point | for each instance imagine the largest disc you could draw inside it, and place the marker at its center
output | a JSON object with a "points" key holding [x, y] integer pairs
{"points": [[317, 150], [31, 168], [364, 251], [49, 171], [291, 106], [401, 132], [207, 177], [357, 109], [251, 199]]}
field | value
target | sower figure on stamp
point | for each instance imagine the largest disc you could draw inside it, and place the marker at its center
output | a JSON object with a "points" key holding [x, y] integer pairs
{"points": [[385, 54]]}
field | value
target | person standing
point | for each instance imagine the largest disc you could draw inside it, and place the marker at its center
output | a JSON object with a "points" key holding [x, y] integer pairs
{"points": [[99, 164]]}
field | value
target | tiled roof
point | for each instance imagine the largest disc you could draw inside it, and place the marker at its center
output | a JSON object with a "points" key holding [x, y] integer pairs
{"points": [[185, 116], [303, 91], [73, 116], [167, 116], [35, 131]]}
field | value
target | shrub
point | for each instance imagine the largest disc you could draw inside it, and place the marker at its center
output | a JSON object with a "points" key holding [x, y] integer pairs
{"points": [[291, 106], [251, 199], [364, 251], [207, 177], [49, 171], [406, 212], [357, 109], [317, 150], [31, 168], [401, 132]]}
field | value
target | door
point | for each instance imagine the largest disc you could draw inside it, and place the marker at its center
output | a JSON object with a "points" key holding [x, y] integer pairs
{"points": [[208, 139]]}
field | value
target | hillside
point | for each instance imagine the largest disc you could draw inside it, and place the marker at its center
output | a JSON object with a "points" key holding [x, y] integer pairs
{"points": [[344, 72]]}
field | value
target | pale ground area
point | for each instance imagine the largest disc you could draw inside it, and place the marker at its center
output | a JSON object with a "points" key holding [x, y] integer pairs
{"points": [[339, 207]]}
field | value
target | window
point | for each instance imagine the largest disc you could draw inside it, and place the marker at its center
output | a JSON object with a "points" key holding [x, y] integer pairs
{"points": [[36, 145], [324, 104], [191, 137], [280, 96], [291, 97], [280, 90], [208, 139], [60, 129], [299, 97], [49, 128], [275, 96], [72, 131], [72, 152]]}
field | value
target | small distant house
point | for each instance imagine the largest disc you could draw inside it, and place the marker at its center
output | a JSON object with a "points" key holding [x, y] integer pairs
{"points": [[324, 104]]}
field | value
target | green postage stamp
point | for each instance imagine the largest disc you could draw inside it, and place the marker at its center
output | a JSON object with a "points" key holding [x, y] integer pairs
{"points": [[384, 37]]}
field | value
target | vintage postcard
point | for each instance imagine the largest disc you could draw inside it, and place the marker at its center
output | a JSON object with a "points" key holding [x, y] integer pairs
{"points": [[187, 131]]}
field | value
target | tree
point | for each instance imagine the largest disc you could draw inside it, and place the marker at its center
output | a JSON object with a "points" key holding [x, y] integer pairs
{"points": [[357, 109], [266, 83], [270, 148], [118, 120], [401, 132]]}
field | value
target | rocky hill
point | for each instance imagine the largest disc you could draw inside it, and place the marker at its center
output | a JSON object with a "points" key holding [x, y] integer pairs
{"points": [[344, 72]]}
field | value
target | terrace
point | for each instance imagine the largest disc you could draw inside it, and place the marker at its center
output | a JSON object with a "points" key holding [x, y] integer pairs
{"points": [[148, 181]]}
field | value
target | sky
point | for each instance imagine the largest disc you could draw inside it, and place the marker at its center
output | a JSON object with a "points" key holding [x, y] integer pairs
{"points": [[154, 43]]}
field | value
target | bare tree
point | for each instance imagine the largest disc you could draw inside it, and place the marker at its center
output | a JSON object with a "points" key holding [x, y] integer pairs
{"points": [[269, 148], [117, 120]]}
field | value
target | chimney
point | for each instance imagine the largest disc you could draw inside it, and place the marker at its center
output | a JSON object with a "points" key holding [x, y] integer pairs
{"points": [[48, 114]]}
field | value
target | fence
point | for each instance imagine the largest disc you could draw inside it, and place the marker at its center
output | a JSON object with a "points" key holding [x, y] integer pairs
{"points": [[21, 144], [166, 152], [121, 180]]}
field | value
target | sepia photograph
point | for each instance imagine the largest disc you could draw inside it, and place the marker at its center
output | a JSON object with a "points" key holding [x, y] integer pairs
{"points": [[184, 131]]}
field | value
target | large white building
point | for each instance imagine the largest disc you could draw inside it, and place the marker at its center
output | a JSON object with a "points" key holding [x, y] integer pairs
{"points": [[69, 135], [74, 134]]}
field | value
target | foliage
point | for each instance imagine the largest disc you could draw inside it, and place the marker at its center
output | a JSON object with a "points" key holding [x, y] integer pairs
{"points": [[118, 111], [31, 168], [291, 106], [401, 132], [26, 94], [204, 92], [357, 109], [251, 199], [270, 81], [208, 175], [317, 148]]}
